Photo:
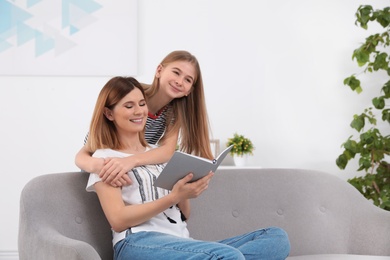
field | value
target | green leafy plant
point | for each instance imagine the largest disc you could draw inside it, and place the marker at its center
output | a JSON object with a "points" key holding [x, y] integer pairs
{"points": [[371, 146], [241, 145]]}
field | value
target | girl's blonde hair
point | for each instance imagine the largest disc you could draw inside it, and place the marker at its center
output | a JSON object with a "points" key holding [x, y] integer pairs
{"points": [[102, 132], [189, 113]]}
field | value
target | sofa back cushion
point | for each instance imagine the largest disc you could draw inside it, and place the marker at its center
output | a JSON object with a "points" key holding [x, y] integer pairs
{"points": [[320, 212]]}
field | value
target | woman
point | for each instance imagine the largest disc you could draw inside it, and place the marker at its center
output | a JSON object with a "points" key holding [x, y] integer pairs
{"points": [[176, 107], [150, 222]]}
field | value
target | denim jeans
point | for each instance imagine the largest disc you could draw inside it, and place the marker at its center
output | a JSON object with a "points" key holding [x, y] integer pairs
{"points": [[269, 243]]}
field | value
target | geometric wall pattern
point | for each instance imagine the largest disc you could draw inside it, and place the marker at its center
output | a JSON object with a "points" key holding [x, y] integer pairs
{"points": [[68, 37], [22, 22]]}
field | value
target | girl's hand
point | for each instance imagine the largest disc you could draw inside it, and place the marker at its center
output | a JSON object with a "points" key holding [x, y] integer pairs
{"points": [[186, 190], [115, 171]]}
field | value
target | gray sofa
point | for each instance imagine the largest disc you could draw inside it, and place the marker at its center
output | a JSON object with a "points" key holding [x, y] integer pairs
{"points": [[325, 217]]}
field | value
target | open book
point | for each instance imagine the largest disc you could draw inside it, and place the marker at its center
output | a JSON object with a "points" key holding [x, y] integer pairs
{"points": [[182, 163]]}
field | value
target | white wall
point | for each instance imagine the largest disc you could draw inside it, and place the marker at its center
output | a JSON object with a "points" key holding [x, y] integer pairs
{"points": [[273, 71]]}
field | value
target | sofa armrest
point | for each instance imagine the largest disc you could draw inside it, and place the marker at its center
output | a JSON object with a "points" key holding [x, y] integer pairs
{"points": [[50, 244]]}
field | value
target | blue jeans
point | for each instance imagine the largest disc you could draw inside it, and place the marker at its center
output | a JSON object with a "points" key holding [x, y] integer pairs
{"points": [[269, 243]]}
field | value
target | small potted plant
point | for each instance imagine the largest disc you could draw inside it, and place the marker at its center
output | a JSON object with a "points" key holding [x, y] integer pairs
{"points": [[242, 147]]}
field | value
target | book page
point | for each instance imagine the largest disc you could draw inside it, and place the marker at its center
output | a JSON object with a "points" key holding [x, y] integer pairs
{"points": [[182, 163]]}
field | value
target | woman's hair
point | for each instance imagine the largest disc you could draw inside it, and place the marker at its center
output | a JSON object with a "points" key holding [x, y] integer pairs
{"points": [[189, 113], [102, 132]]}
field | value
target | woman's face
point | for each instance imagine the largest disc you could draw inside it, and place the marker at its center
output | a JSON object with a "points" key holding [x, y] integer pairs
{"points": [[176, 78], [130, 114]]}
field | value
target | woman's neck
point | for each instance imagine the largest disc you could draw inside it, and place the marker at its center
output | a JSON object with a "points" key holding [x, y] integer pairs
{"points": [[133, 150], [131, 144]]}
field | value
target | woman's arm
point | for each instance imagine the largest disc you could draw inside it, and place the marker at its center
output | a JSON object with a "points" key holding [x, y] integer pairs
{"points": [[121, 216], [115, 168], [185, 208]]}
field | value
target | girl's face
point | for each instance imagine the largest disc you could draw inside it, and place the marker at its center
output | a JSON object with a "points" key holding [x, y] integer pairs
{"points": [[130, 113], [176, 78]]}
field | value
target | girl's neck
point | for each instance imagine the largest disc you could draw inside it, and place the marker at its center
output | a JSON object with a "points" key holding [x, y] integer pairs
{"points": [[157, 102]]}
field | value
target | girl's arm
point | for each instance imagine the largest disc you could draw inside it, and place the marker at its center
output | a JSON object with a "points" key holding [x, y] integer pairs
{"points": [[116, 168], [86, 162], [121, 216]]}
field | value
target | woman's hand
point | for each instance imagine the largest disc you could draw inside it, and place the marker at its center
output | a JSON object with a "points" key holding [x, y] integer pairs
{"points": [[114, 171], [185, 189]]}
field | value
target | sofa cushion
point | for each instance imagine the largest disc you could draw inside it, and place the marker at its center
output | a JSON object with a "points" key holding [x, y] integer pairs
{"points": [[321, 213]]}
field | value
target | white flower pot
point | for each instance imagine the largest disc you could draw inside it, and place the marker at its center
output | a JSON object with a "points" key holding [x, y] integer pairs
{"points": [[240, 161]]}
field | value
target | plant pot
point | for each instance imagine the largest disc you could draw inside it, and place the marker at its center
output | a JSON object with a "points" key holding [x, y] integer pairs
{"points": [[240, 160]]}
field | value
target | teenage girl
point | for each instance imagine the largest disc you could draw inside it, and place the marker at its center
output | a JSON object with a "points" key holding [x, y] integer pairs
{"points": [[176, 108]]}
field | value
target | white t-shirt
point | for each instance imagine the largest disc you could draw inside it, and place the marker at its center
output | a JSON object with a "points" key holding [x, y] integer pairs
{"points": [[141, 191]]}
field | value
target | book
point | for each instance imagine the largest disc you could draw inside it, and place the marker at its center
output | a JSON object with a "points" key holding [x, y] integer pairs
{"points": [[182, 163]]}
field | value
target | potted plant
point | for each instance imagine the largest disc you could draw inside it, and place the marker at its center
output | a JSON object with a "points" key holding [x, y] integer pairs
{"points": [[372, 146], [242, 147]]}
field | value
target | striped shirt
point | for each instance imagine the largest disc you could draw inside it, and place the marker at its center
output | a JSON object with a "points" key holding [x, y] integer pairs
{"points": [[155, 126]]}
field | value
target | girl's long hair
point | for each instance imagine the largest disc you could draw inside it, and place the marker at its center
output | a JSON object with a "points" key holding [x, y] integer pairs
{"points": [[102, 132], [189, 113]]}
